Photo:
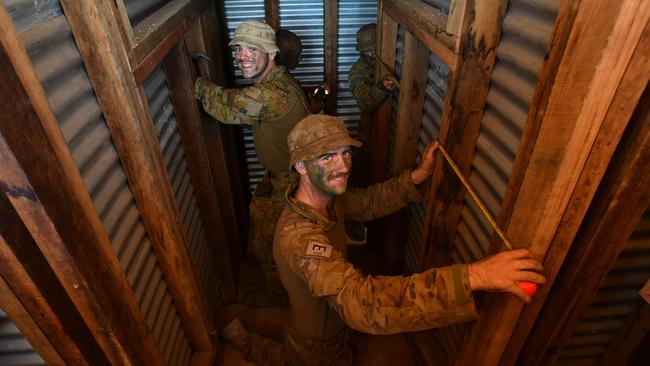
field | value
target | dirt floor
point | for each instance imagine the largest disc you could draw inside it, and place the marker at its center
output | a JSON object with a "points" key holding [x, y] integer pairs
{"points": [[371, 350]]}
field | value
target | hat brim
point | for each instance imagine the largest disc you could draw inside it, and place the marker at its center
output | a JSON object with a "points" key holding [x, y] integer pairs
{"points": [[266, 47], [320, 147]]}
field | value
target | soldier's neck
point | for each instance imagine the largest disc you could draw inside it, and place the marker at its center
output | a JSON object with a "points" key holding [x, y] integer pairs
{"points": [[269, 66], [314, 198]]}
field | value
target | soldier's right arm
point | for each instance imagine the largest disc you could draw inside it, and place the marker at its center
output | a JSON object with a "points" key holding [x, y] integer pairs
{"points": [[245, 106], [368, 93], [382, 304]]}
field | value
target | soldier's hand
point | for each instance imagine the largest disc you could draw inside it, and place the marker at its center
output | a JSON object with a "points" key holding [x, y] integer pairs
{"points": [[503, 271], [388, 83], [425, 167]]}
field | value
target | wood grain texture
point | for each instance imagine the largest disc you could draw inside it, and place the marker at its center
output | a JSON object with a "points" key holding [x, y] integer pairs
{"points": [[574, 143], [331, 54], [272, 13], [126, 112], [99, 289]]}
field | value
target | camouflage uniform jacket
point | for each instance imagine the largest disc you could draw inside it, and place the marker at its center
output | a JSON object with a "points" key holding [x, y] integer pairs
{"points": [[367, 91], [272, 107], [326, 292]]}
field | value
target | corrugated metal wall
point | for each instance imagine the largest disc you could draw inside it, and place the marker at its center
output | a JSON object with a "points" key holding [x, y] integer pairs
{"points": [[137, 10], [434, 102], [352, 15], [15, 350], [613, 302], [305, 19], [236, 12], [162, 112], [48, 40]]}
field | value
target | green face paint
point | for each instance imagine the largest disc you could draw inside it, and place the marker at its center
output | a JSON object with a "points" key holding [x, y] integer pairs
{"points": [[329, 172]]}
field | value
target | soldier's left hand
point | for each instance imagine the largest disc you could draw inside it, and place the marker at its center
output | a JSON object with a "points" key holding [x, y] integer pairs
{"points": [[425, 167]]}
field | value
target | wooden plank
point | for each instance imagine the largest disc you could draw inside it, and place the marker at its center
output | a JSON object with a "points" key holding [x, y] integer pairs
{"points": [[381, 127], [27, 326], [221, 139], [150, 32], [99, 289], [629, 337], [427, 344], [455, 18], [123, 23], [331, 53], [127, 117], [407, 135], [272, 13], [465, 97], [574, 144], [620, 204], [177, 70], [427, 24]]}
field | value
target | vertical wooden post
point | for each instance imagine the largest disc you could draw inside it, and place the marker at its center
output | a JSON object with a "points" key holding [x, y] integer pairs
{"points": [[387, 32], [272, 12], [331, 53], [407, 135], [598, 83], [467, 91], [129, 122], [188, 119]]}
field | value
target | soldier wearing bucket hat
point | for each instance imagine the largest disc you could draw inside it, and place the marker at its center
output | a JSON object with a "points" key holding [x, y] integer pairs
{"points": [[328, 295], [271, 107]]}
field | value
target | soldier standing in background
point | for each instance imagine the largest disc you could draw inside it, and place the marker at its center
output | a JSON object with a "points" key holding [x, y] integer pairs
{"points": [[369, 92], [271, 106], [327, 293]]}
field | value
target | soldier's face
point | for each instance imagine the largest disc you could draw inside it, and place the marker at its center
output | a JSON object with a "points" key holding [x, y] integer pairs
{"points": [[329, 172], [252, 61]]}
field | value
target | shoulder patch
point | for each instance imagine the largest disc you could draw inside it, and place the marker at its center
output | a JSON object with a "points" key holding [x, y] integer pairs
{"points": [[320, 250]]}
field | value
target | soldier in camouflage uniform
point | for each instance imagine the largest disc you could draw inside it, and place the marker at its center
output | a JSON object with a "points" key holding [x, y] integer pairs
{"points": [[327, 293], [272, 107], [368, 90]]}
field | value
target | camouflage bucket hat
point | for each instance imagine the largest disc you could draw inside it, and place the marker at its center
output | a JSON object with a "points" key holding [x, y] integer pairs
{"points": [[257, 34], [367, 37], [317, 134]]}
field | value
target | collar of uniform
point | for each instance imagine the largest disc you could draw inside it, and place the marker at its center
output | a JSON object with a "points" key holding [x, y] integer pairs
{"points": [[274, 73], [305, 210]]}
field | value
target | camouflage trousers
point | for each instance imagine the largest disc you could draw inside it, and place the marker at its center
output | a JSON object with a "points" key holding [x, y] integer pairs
{"points": [[298, 351], [265, 209]]}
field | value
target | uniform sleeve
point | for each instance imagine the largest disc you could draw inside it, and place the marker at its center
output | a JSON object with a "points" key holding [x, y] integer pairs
{"points": [[245, 106], [383, 304], [366, 91], [381, 199]]}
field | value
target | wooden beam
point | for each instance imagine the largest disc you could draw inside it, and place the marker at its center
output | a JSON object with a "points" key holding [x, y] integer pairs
{"points": [[272, 13], [331, 53], [177, 70], [27, 325], [387, 31], [629, 337], [123, 23], [428, 24], [584, 117], [407, 136], [221, 139], [617, 208], [457, 10], [467, 90], [127, 117], [83, 256]]}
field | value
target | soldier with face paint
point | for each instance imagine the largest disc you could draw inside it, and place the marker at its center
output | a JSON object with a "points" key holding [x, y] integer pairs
{"points": [[271, 106], [327, 294]]}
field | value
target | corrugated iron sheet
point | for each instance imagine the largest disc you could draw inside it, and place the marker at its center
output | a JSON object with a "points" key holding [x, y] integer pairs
{"points": [[162, 112], [434, 102], [351, 16], [614, 301], [138, 10], [15, 350], [56, 59]]}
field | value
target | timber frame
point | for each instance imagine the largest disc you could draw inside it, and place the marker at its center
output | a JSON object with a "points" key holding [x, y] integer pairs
{"points": [[52, 283]]}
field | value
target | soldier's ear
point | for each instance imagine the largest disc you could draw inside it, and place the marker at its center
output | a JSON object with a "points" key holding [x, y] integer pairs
{"points": [[272, 55], [300, 167]]}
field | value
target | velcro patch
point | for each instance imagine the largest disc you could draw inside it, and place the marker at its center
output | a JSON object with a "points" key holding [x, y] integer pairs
{"points": [[315, 249]]}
